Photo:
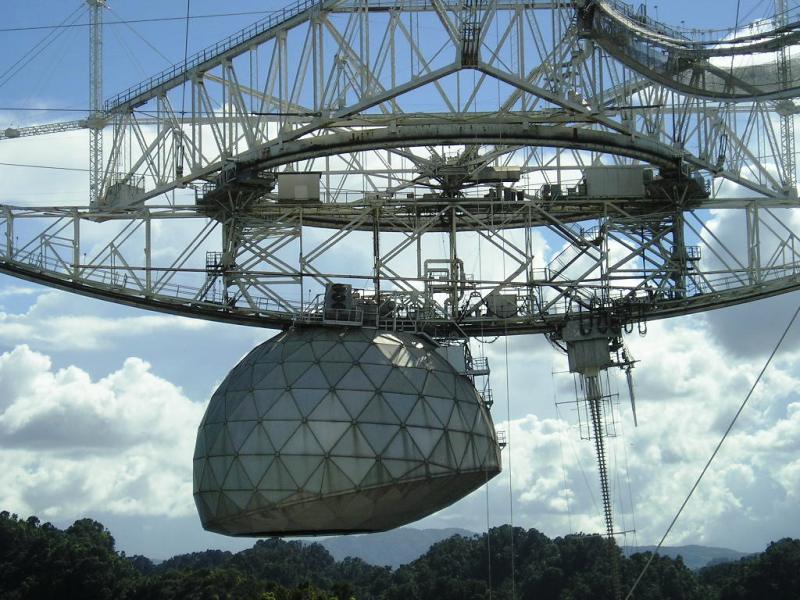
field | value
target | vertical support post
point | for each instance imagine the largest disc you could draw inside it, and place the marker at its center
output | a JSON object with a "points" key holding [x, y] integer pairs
{"points": [[96, 121], [364, 47], [197, 108], [395, 19], [753, 244], [9, 233], [519, 18], [148, 256], [605, 254], [316, 61], [301, 261], [376, 252], [419, 247], [680, 256], [454, 270], [193, 102], [786, 108], [283, 82], [76, 245], [227, 142], [161, 150], [529, 275]]}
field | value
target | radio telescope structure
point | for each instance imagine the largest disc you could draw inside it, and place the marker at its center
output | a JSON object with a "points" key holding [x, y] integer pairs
{"points": [[437, 171]]}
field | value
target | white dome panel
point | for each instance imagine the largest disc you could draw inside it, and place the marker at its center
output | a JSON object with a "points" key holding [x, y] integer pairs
{"points": [[323, 430]]}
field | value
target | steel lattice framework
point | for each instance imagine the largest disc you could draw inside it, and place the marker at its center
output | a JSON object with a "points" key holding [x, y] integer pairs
{"points": [[456, 143]]}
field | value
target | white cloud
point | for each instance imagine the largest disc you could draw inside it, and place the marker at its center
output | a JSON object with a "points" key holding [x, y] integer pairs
{"points": [[49, 324], [75, 443], [98, 336], [121, 444], [18, 290], [38, 187], [688, 389]]}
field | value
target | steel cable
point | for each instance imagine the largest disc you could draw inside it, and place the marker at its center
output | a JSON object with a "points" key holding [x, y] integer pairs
{"points": [[714, 453], [38, 48]]}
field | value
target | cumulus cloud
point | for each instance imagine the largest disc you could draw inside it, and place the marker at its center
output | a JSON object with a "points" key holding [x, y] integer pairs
{"points": [[746, 331], [34, 187], [82, 332], [98, 336], [749, 330], [120, 442], [71, 445], [19, 290], [688, 389]]}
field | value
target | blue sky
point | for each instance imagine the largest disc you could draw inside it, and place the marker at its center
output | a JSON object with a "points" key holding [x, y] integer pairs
{"points": [[57, 75], [71, 367]]}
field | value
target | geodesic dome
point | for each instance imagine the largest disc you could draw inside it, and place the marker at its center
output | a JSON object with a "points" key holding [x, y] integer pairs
{"points": [[326, 430]]}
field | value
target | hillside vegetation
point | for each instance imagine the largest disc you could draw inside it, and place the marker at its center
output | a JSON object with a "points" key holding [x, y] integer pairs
{"points": [[39, 561]]}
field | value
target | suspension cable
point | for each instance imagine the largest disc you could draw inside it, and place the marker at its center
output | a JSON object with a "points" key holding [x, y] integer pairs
{"points": [[488, 537], [51, 167], [509, 446], [631, 503], [736, 29], [147, 42], [510, 472], [39, 47], [147, 20], [714, 453], [185, 57], [486, 391]]}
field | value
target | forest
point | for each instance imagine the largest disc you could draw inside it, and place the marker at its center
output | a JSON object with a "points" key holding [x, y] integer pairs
{"points": [[40, 561]]}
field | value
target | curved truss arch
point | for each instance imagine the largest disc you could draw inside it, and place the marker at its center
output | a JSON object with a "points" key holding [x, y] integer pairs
{"points": [[441, 131], [458, 134], [458, 168], [692, 65]]}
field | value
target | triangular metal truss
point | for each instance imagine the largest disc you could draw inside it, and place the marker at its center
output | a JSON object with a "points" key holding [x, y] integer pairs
{"points": [[488, 125]]}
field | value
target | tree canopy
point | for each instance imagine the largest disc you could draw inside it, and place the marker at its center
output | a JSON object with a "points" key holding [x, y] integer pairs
{"points": [[40, 561]]}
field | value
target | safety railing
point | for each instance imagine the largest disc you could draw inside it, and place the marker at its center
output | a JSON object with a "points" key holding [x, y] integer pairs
{"points": [[237, 39]]}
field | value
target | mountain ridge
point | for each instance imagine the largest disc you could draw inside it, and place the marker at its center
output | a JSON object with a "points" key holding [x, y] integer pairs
{"points": [[389, 548], [404, 545]]}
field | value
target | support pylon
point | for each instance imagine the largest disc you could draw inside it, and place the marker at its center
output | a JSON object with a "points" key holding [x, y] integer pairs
{"points": [[96, 121]]}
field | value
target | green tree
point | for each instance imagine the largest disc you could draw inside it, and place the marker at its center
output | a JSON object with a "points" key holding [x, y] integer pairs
{"points": [[774, 574], [42, 562]]}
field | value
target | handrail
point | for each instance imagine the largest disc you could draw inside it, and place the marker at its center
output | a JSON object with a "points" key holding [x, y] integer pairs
{"points": [[239, 38], [674, 59], [686, 41], [691, 37]]}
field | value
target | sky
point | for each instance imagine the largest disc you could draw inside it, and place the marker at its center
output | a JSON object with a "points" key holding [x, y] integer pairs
{"points": [[99, 403]]}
